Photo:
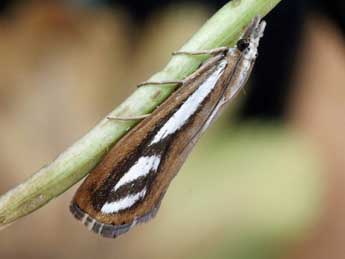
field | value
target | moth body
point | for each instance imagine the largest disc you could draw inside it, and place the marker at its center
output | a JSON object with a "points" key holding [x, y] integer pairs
{"points": [[127, 187]]}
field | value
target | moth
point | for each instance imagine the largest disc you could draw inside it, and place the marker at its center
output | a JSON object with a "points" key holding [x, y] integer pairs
{"points": [[127, 187]]}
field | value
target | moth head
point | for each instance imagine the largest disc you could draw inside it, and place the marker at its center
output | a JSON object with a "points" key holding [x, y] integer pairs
{"points": [[249, 42]]}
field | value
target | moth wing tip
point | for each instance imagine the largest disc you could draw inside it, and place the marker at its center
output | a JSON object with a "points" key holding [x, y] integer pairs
{"points": [[109, 230]]}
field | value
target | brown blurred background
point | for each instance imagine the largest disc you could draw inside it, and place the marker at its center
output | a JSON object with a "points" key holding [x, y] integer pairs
{"points": [[267, 181]]}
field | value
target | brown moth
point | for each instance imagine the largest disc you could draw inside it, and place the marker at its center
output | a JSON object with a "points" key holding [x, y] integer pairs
{"points": [[126, 188]]}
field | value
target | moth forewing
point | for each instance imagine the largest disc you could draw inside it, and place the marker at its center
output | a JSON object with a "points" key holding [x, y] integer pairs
{"points": [[126, 188]]}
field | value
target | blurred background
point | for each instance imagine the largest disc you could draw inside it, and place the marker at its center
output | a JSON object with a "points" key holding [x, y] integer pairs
{"points": [[266, 181]]}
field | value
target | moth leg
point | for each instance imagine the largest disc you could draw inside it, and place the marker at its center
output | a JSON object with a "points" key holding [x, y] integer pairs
{"points": [[177, 82], [215, 51], [140, 117], [129, 118]]}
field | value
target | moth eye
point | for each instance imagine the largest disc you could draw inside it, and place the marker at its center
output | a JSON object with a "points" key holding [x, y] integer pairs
{"points": [[242, 45]]}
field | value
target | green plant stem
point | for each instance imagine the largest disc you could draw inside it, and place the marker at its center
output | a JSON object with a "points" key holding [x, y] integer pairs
{"points": [[223, 29]]}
